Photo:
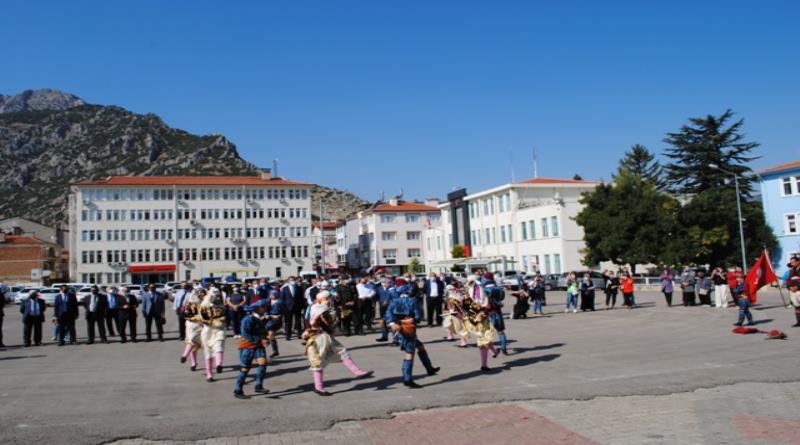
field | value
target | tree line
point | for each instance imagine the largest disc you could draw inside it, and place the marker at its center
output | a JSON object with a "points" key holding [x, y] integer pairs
{"points": [[682, 212]]}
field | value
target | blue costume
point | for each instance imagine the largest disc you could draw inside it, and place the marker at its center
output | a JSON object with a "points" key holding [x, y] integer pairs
{"points": [[744, 305], [403, 312], [251, 348], [496, 295], [384, 296], [273, 323]]}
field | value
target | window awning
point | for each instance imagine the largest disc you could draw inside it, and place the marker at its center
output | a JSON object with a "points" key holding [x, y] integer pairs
{"points": [[481, 261], [152, 268]]}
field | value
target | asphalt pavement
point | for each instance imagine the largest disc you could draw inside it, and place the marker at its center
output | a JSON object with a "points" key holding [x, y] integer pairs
{"points": [[100, 393]]}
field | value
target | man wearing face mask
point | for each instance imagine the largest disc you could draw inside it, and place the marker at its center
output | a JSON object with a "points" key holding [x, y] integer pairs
{"points": [[95, 306], [289, 296], [153, 311]]}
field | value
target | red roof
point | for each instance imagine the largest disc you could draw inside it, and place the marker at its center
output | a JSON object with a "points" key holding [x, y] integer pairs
{"points": [[191, 180], [405, 207], [786, 166], [327, 224], [22, 239], [556, 181]]}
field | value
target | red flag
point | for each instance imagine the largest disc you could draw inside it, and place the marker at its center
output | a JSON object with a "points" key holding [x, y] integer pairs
{"points": [[759, 276]]}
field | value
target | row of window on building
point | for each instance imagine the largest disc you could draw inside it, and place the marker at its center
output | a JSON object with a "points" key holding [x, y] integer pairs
{"points": [[487, 205], [548, 229], [161, 194], [191, 214], [551, 263], [409, 217], [203, 234], [790, 186], [392, 253], [192, 254], [392, 236]]}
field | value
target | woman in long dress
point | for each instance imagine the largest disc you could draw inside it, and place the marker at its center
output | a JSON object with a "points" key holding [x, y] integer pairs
{"points": [[194, 326], [213, 334]]}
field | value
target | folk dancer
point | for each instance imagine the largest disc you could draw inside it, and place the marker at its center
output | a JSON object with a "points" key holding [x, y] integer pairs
{"points": [[252, 348], [495, 296], [794, 296], [322, 348], [194, 326], [453, 321], [273, 320], [478, 309], [213, 333], [402, 317]]}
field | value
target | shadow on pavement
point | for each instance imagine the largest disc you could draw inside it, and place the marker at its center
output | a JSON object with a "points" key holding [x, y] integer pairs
{"points": [[18, 357]]}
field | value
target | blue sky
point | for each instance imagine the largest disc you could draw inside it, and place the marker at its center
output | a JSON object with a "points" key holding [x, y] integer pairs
{"points": [[424, 96]]}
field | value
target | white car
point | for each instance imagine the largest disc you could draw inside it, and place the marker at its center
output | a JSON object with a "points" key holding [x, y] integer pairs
{"points": [[49, 295], [24, 293], [11, 293], [82, 293]]}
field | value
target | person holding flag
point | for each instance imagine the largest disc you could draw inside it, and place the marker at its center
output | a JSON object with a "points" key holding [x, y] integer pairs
{"points": [[760, 275]]}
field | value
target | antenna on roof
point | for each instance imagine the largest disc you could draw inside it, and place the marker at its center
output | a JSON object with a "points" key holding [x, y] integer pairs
{"points": [[400, 196], [535, 164], [275, 167]]}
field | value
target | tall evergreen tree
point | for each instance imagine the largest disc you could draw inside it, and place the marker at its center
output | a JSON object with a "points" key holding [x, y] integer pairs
{"points": [[641, 163], [708, 140]]}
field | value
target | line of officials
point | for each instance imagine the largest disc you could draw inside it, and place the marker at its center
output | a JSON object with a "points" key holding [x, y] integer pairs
{"points": [[101, 311]]}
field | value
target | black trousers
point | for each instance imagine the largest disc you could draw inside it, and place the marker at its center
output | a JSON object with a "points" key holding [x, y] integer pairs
{"points": [[66, 323], [668, 297], [587, 301], [149, 320], [32, 324], [128, 320], [234, 319], [688, 297], [1, 330], [705, 299], [181, 324], [434, 308], [293, 320], [92, 319], [366, 312], [611, 297], [347, 322], [112, 320]]}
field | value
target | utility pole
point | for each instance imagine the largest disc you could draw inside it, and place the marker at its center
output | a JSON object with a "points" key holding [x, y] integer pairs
{"points": [[322, 235]]}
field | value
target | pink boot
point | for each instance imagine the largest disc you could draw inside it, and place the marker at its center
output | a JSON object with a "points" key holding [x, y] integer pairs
{"points": [[484, 358], [462, 343], [186, 351], [319, 384], [193, 359], [209, 369], [351, 365], [218, 361], [495, 351], [449, 335]]}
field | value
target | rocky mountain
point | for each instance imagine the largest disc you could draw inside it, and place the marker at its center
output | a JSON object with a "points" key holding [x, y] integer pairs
{"points": [[43, 150], [34, 100]]}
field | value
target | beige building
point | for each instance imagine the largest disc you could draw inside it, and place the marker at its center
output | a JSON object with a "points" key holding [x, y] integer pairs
{"points": [[126, 229]]}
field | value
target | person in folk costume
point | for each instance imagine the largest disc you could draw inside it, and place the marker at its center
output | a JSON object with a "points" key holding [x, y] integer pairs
{"points": [[322, 348], [793, 285], [273, 325], [402, 317], [453, 321], [194, 326], [252, 347], [478, 320], [213, 333], [495, 295]]}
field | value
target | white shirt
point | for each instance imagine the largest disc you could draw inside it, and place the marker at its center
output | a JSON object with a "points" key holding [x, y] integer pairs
{"points": [[364, 292], [434, 289]]}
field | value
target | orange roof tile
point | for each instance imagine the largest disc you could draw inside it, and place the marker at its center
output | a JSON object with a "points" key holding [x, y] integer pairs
{"points": [[22, 239], [405, 207], [555, 181], [328, 224], [190, 180], [785, 166]]}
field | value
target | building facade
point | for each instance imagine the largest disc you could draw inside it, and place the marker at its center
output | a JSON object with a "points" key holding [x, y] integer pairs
{"points": [[390, 234], [525, 226], [127, 229], [25, 259], [780, 196]]}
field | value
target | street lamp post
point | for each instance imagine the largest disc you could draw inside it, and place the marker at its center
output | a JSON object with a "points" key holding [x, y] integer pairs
{"points": [[738, 211]]}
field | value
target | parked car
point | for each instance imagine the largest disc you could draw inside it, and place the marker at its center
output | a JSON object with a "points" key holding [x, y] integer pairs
{"points": [[512, 282], [49, 295], [11, 293], [551, 281], [24, 293], [82, 293], [597, 279]]}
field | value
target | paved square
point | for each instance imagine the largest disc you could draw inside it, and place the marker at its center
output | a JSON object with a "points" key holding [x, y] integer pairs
{"points": [[649, 375]]}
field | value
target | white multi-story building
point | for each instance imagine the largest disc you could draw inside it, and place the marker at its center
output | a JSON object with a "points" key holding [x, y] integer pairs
{"points": [[390, 234], [525, 226], [132, 229], [347, 254]]}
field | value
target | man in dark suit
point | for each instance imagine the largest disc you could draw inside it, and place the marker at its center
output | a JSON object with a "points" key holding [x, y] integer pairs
{"points": [[2, 314], [95, 312], [32, 310], [289, 293], [66, 312], [127, 304], [153, 311], [434, 290]]}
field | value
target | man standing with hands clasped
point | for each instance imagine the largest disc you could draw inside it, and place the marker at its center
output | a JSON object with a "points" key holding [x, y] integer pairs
{"points": [[66, 312], [153, 311], [32, 310], [95, 305]]}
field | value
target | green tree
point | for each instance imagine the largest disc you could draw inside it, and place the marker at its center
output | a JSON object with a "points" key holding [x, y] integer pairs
{"points": [[709, 220], [705, 141], [640, 162], [414, 266], [457, 251], [629, 222]]}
